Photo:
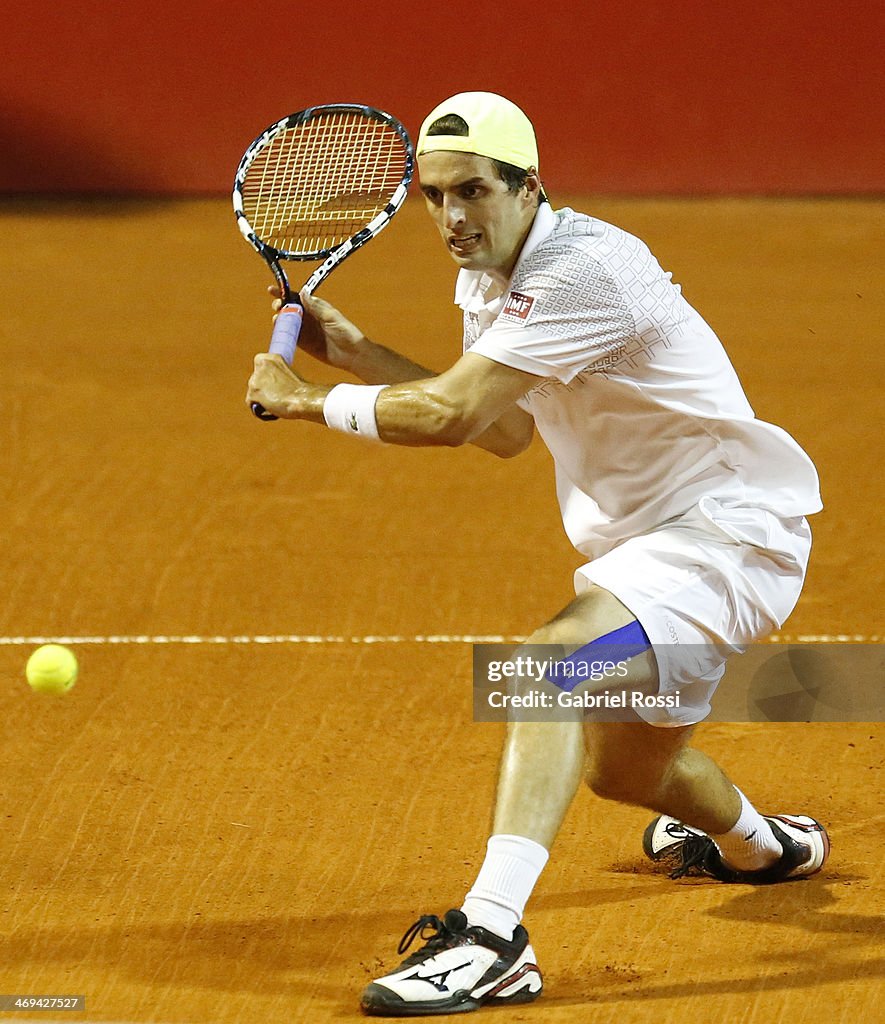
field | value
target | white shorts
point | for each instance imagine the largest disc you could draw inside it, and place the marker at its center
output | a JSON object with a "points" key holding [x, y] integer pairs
{"points": [[704, 586]]}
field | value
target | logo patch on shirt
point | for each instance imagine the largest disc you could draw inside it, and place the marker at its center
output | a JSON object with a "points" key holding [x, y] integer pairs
{"points": [[518, 306]]}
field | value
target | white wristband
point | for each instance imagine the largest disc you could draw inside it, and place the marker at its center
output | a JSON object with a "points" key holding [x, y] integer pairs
{"points": [[351, 409]]}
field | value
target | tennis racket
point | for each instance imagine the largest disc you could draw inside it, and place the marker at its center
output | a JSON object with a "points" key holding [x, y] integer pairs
{"points": [[318, 185]]}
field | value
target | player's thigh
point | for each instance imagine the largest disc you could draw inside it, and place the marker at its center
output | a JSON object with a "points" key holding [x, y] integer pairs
{"points": [[586, 625]]}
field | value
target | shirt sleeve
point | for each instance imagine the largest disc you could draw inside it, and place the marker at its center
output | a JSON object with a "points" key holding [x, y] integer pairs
{"points": [[565, 313]]}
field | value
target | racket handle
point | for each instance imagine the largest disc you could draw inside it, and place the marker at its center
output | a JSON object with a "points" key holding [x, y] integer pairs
{"points": [[283, 342], [284, 339]]}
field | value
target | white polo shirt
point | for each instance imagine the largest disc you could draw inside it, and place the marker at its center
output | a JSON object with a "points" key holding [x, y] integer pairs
{"points": [[639, 404]]}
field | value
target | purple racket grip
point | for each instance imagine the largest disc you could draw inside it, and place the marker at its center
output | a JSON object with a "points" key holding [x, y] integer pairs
{"points": [[283, 342], [284, 339]]}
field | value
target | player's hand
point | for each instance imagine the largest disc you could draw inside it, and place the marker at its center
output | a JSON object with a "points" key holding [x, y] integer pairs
{"points": [[276, 386], [326, 334]]}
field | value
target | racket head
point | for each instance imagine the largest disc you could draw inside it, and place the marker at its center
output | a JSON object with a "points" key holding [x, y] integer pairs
{"points": [[320, 178]]}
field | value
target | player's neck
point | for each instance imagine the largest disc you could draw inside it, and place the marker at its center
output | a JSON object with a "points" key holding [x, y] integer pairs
{"points": [[501, 276]]}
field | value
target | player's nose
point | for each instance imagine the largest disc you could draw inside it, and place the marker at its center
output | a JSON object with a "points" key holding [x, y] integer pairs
{"points": [[453, 211]]}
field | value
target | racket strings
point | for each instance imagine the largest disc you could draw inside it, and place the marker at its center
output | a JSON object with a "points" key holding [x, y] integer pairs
{"points": [[318, 183]]}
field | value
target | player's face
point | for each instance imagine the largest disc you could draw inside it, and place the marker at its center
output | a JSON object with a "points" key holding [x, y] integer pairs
{"points": [[482, 223]]}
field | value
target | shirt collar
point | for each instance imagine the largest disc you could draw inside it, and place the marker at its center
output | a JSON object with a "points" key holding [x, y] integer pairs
{"points": [[472, 285]]}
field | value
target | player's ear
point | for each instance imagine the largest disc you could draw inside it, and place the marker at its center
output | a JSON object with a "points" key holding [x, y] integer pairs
{"points": [[532, 184]]}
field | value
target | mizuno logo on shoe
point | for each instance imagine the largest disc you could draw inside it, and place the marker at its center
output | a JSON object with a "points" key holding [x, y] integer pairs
{"points": [[676, 830], [439, 979]]}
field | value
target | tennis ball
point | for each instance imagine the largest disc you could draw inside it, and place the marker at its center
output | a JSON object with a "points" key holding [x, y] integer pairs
{"points": [[51, 669]]}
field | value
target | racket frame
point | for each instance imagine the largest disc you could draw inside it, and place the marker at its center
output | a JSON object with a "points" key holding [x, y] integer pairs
{"points": [[332, 255]]}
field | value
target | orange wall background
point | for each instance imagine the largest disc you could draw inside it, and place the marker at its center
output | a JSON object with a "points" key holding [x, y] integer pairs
{"points": [[158, 96]]}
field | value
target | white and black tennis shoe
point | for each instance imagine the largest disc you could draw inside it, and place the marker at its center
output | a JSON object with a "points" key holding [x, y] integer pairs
{"points": [[459, 968], [804, 843]]}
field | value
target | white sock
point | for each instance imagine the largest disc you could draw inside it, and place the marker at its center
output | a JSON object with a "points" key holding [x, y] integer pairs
{"points": [[505, 881], [750, 845]]}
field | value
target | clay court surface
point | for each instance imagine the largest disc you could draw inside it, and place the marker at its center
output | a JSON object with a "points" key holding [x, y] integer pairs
{"points": [[235, 831]]}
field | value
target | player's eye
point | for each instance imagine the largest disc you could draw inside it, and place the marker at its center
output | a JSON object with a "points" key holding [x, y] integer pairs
{"points": [[432, 195], [471, 192]]}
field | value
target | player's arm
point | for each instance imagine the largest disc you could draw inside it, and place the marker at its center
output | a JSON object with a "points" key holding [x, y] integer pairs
{"points": [[508, 434], [327, 335], [473, 402], [332, 338]]}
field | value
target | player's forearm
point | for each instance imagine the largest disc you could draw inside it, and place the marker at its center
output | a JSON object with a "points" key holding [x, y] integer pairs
{"points": [[407, 414], [470, 403], [509, 435], [376, 364]]}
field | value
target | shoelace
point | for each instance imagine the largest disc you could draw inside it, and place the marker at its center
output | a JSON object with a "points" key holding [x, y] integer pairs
{"points": [[440, 937], [693, 853]]}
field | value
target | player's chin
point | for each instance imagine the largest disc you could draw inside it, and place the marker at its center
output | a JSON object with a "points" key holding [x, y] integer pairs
{"points": [[469, 261]]}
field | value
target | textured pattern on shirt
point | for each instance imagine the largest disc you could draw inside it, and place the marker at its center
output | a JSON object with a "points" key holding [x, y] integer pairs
{"points": [[601, 288]]}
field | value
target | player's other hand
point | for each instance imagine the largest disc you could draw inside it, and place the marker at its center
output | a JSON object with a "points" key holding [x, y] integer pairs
{"points": [[326, 334], [275, 386]]}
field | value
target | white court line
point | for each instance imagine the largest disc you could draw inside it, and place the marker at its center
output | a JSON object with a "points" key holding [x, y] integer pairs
{"points": [[33, 641], [824, 638], [25, 641]]}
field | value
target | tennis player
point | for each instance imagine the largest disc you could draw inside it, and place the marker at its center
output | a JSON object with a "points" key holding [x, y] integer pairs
{"points": [[689, 511]]}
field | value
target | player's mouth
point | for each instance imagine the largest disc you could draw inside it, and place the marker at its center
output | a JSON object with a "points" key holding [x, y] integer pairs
{"points": [[462, 245]]}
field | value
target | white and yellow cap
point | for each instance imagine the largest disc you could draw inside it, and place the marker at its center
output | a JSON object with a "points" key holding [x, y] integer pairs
{"points": [[497, 129]]}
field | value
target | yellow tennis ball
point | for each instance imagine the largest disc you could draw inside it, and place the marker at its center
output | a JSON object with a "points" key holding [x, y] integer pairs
{"points": [[52, 669]]}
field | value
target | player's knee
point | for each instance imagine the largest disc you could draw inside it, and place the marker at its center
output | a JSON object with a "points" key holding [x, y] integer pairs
{"points": [[549, 633], [593, 614], [564, 630]]}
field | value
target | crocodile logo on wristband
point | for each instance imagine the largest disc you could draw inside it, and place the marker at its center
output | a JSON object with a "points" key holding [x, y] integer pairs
{"points": [[351, 409]]}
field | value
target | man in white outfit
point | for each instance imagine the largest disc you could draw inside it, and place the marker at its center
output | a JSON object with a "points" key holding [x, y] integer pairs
{"points": [[689, 510]]}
